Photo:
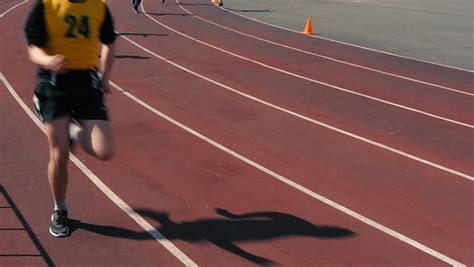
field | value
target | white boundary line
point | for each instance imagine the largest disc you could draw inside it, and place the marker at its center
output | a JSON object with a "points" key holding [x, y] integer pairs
{"points": [[293, 184], [309, 79], [322, 56], [106, 190], [353, 45], [360, 138], [13, 7]]}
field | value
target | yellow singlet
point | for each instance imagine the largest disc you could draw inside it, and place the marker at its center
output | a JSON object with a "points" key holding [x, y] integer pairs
{"points": [[73, 30]]}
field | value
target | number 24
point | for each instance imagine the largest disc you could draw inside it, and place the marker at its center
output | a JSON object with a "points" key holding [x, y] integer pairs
{"points": [[77, 27]]}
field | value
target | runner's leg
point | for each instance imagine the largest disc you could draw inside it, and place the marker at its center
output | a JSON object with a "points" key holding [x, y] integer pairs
{"points": [[58, 136], [94, 137]]}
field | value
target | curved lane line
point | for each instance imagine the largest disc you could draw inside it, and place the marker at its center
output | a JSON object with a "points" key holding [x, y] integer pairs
{"points": [[360, 138], [325, 57], [309, 79], [106, 190], [353, 45], [13, 7], [293, 184]]}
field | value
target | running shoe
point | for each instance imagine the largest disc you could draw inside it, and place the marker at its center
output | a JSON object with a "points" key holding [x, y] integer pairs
{"points": [[59, 223]]}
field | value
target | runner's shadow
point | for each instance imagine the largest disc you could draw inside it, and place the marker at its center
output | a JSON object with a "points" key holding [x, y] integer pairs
{"points": [[183, 4], [143, 34], [223, 233], [169, 14], [250, 10], [131, 57]]}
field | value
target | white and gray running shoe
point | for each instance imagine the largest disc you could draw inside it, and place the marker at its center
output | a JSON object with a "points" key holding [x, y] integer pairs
{"points": [[59, 223]]}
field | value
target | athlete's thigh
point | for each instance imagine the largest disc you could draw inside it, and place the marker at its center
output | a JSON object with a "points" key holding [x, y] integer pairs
{"points": [[57, 131], [99, 132]]}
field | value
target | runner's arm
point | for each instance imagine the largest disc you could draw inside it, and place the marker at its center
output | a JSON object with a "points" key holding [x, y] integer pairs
{"points": [[106, 61], [38, 56], [37, 39], [107, 37]]}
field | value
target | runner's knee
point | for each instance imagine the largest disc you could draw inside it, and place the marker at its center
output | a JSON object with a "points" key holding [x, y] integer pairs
{"points": [[104, 153], [59, 156]]}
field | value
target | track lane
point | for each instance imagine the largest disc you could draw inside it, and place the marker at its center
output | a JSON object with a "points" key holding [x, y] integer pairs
{"points": [[413, 134], [443, 75]]}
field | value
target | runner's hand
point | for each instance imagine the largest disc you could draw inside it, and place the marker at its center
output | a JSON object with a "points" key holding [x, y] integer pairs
{"points": [[56, 63], [106, 87]]}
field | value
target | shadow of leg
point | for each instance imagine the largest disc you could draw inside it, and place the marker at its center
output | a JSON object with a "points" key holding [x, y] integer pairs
{"points": [[230, 247]]}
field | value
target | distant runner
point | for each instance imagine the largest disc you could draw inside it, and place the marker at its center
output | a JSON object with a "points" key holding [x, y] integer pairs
{"points": [[136, 4]]}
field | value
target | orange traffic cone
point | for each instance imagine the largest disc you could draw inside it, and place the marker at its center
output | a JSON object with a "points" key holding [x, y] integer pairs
{"points": [[217, 2], [308, 30]]}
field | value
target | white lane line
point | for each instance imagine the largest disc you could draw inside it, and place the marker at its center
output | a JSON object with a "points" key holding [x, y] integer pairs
{"points": [[106, 190], [353, 45], [293, 184], [13, 7], [322, 56], [310, 79], [360, 138]]}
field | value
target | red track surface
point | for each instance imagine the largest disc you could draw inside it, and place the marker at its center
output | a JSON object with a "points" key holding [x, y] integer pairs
{"points": [[163, 171]]}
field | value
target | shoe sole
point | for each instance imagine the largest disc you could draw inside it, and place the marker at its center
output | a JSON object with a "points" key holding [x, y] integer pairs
{"points": [[58, 235]]}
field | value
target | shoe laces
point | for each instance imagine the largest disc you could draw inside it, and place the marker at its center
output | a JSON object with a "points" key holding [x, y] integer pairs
{"points": [[59, 216]]}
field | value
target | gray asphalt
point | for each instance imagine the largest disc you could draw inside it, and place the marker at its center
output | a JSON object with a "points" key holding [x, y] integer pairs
{"points": [[439, 31]]}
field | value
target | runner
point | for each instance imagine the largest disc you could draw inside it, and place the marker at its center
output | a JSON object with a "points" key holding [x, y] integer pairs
{"points": [[64, 38]]}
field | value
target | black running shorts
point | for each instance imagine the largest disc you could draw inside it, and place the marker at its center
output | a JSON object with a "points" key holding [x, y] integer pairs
{"points": [[76, 94]]}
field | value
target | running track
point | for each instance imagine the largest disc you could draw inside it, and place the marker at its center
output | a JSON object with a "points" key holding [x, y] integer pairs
{"points": [[239, 143]]}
